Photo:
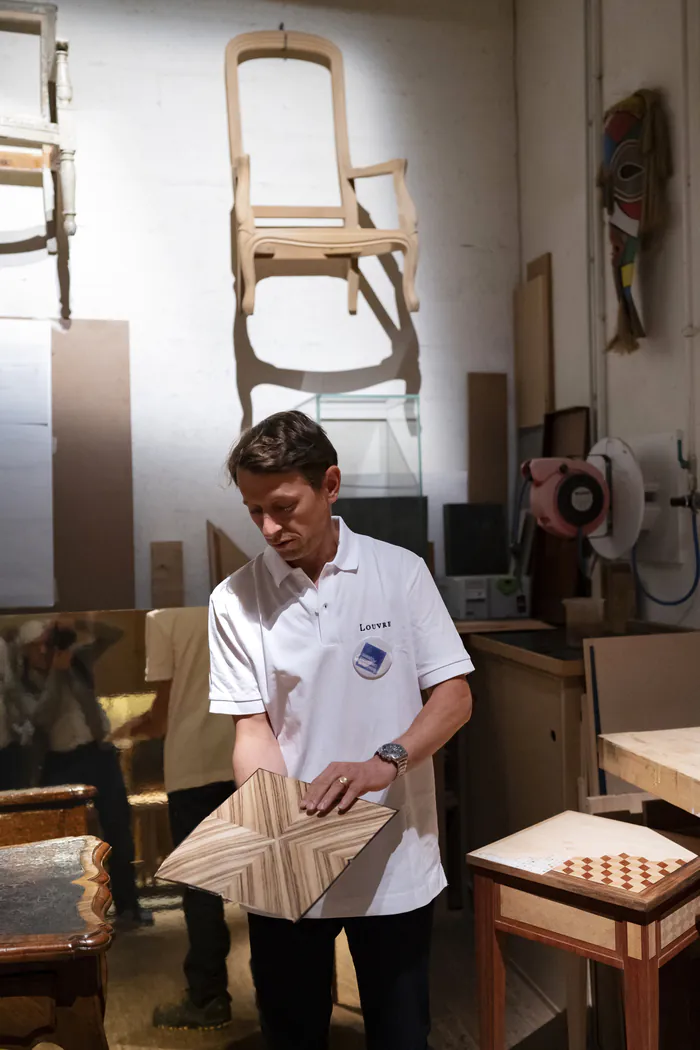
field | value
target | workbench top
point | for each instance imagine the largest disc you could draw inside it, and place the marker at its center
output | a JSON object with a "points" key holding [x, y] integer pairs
{"points": [[665, 762]]}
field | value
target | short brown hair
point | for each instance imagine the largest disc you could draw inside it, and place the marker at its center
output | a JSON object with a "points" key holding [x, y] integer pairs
{"points": [[284, 442]]}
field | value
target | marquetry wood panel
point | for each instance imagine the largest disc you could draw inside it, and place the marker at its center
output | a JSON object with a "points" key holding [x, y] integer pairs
{"points": [[557, 918], [261, 850]]}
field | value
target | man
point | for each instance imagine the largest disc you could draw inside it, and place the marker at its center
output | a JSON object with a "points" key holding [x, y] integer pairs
{"points": [[197, 779], [56, 687], [320, 648]]}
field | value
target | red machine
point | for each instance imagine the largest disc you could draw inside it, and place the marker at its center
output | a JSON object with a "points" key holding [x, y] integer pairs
{"points": [[568, 497]]}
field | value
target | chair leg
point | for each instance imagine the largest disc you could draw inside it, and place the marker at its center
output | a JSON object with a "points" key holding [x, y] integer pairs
{"points": [[641, 983], [490, 967], [247, 263], [67, 176], [353, 285], [576, 1000], [410, 265]]}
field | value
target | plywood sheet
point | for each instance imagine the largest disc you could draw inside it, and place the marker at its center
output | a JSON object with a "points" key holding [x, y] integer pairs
{"points": [[167, 575], [642, 683], [487, 424], [534, 369], [664, 762], [225, 557], [93, 494], [259, 849]]}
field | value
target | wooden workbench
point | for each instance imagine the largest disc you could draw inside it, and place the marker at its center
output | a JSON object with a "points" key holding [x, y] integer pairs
{"points": [[664, 762]]}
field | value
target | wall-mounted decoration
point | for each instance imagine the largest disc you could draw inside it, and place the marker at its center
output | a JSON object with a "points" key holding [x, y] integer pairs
{"points": [[332, 250], [636, 166]]}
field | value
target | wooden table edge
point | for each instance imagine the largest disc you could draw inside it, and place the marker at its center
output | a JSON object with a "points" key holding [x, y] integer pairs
{"points": [[642, 908], [92, 908]]}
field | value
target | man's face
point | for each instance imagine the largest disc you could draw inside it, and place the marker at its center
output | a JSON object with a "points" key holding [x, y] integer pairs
{"points": [[38, 654], [291, 514]]}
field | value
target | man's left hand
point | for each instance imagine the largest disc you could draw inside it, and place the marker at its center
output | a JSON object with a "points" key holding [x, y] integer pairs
{"points": [[330, 787]]}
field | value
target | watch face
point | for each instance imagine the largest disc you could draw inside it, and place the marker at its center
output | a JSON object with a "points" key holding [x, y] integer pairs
{"points": [[394, 752]]}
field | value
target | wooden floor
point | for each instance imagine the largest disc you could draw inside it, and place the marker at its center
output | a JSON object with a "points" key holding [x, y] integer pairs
{"points": [[145, 969]]}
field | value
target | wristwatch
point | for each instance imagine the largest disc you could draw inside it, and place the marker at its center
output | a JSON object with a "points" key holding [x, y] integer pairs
{"points": [[395, 753]]}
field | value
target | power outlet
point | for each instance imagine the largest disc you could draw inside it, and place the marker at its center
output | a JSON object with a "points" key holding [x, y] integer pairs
{"points": [[657, 455]]}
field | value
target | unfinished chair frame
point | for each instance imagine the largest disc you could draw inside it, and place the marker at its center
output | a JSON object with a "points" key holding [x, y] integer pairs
{"points": [[331, 250], [52, 133]]}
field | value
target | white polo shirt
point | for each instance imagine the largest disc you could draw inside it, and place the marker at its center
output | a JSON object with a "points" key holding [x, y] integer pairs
{"points": [[311, 656]]}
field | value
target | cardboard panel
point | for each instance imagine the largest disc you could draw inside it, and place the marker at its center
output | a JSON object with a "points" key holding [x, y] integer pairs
{"points": [[487, 422], [224, 556], [167, 575], [92, 497]]}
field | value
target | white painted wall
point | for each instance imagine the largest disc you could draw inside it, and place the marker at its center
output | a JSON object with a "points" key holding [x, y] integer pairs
{"points": [[649, 392], [429, 82]]}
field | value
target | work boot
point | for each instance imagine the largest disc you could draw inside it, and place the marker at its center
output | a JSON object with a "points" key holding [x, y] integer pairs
{"points": [[187, 1015]]}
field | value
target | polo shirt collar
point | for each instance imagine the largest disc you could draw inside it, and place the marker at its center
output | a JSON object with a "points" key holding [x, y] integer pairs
{"points": [[346, 557]]}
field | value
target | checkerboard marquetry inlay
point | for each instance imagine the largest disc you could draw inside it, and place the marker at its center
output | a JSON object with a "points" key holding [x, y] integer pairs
{"points": [[634, 874]]}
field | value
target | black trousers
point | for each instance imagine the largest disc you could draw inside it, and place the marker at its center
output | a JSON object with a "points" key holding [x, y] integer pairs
{"points": [[205, 962], [98, 765], [15, 771], [293, 967]]}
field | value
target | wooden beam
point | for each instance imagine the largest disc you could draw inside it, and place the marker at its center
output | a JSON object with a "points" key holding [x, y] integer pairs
{"points": [[15, 161]]}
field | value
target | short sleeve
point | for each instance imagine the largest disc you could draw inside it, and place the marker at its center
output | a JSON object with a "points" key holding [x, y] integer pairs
{"points": [[159, 650], [233, 687], [439, 650]]}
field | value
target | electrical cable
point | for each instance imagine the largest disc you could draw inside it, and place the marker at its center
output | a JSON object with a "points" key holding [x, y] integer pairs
{"points": [[696, 580]]}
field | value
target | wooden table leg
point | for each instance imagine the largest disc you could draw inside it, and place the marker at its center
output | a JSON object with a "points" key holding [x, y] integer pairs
{"points": [[576, 1000], [490, 966], [641, 983], [80, 1006]]}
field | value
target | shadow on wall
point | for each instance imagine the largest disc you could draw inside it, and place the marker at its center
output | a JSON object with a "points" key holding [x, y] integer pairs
{"points": [[52, 237], [402, 363]]}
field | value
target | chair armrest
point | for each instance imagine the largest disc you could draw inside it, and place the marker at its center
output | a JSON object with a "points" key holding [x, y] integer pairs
{"points": [[408, 219], [241, 190], [388, 167]]}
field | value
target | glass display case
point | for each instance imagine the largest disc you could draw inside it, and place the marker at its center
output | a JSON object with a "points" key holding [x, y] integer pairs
{"points": [[378, 440]]}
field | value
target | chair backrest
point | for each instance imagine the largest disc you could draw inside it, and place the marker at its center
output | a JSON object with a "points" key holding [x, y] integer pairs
{"points": [[306, 48], [38, 19]]}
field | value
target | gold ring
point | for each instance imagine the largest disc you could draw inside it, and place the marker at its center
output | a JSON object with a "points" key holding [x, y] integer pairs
{"points": [[343, 780]]}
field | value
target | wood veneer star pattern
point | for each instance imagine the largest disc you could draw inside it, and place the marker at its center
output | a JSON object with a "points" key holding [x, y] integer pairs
{"points": [[634, 874], [260, 850]]}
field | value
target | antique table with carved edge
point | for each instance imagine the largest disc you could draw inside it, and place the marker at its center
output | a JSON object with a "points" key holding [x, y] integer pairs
{"points": [[53, 940]]}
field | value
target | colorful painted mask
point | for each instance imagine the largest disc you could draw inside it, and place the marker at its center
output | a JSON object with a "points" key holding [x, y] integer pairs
{"points": [[636, 165]]}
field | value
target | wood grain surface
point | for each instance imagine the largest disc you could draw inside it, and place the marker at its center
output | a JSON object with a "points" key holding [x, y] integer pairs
{"points": [[261, 850], [665, 762]]}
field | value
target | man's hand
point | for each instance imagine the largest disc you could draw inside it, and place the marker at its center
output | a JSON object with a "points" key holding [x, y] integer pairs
{"points": [[141, 726], [329, 787], [61, 660]]}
